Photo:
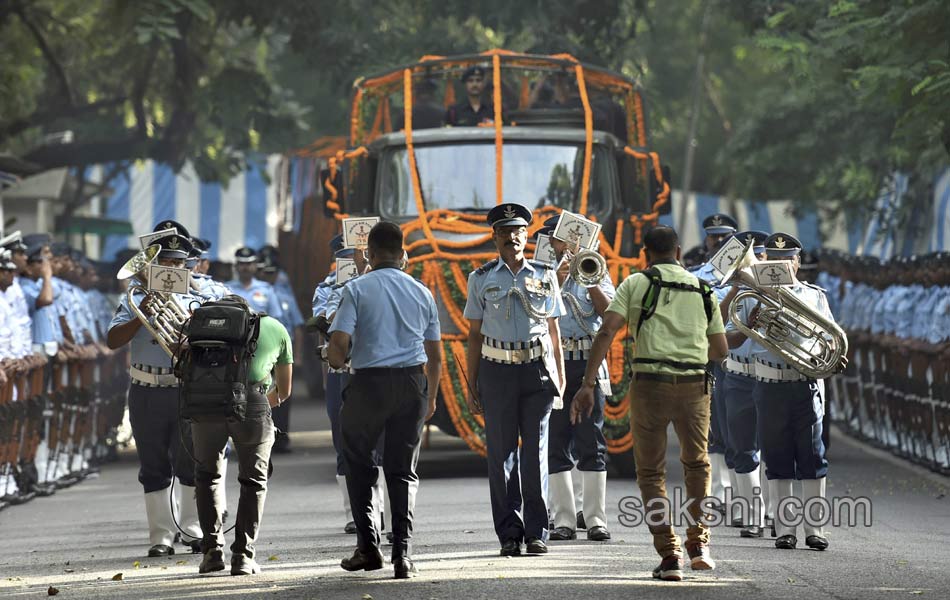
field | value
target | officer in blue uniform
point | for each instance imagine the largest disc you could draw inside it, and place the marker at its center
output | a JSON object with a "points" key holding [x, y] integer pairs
{"points": [[718, 227], [789, 408], [737, 386], [38, 290], [392, 322], [516, 377], [153, 412], [584, 308], [260, 295], [326, 298]]}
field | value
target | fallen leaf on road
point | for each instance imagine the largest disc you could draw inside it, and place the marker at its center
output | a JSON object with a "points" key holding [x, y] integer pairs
{"points": [[367, 597], [179, 562], [117, 577], [917, 592], [272, 557], [468, 531], [790, 580], [902, 562], [69, 570], [52, 591], [136, 564]]}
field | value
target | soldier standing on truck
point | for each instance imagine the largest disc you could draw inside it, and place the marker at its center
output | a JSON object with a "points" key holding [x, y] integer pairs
{"points": [[474, 110]]}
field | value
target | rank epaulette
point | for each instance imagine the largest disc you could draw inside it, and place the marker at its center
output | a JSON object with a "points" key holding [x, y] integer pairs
{"points": [[486, 267], [540, 264]]}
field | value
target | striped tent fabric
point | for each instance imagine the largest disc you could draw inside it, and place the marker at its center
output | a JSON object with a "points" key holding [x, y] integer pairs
{"points": [[772, 216], [244, 212], [940, 231]]}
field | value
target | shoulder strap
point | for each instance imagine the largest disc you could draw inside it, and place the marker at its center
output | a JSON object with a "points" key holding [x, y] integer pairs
{"points": [[253, 334], [648, 302], [486, 267]]}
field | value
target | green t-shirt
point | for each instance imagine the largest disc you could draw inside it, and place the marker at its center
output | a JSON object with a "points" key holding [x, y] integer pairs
{"points": [[273, 348], [677, 330]]}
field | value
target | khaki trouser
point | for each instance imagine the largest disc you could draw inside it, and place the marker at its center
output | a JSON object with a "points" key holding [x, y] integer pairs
{"points": [[654, 406]]}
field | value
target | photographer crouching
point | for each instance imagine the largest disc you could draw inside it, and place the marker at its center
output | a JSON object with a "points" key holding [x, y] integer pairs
{"points": [[258, 346]]}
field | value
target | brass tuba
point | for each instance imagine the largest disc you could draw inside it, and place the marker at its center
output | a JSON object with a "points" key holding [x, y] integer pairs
{"points": [[813, 344], [163, 317], [587, 267]]}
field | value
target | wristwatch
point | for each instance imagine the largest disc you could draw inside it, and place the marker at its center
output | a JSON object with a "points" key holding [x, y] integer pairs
{"points": [[590, 382]]}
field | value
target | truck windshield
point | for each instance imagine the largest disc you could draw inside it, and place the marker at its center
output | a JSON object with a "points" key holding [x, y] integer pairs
{"points": [[462, 177]]}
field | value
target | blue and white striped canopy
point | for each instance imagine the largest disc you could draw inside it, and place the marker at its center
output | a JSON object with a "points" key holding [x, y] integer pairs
{"points": [[242, 213]]}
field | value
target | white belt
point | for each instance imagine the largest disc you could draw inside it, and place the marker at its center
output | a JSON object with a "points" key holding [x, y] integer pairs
{"points": [[764, 372], [512, 357], [740, 368], [570, 344], [156, 379]]}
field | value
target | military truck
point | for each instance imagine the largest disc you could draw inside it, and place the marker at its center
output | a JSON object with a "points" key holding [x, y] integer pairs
{"points": [[559, 135]]}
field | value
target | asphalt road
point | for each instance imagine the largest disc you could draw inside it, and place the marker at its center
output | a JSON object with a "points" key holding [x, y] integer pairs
{"points": [[89, 541]]}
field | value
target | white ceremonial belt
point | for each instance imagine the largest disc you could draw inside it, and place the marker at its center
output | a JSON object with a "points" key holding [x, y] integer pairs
{"points": [[764, 372], [740, 368], [572, 344], [512, 356], [154, 379]]}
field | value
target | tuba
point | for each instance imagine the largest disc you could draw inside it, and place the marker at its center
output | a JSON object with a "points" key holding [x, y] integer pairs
{"points": [[163, 318], [813, 344]]}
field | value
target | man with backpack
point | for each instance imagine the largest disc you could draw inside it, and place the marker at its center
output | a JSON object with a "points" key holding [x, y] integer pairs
{"points": [[226, 333], [677, 326]]}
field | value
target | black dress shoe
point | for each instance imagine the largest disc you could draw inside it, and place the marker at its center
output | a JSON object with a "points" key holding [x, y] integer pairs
{"points": [[404, 568], [160, 550], [363, 561], [598, 533], [350, 527], [563, 533], [581, 523], [786, 542], [816, 542], [535, 546], [511, 548], [193, 545], [752, 531], [44, 489]]}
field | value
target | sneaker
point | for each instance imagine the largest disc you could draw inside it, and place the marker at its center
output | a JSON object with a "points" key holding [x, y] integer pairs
{"points": [[242, 565], [213, 561], [670, 569], [699, 559]]}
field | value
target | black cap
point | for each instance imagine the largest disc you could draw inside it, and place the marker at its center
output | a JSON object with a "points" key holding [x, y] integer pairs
{"points": [[472, 71], [60, 249], [175, 246], [336, 243], [719, 224], [782, 245], [245, 255], [509, 215], [269, 263], [267, 252], [37, 238], [170, 224], [756, 237], [34, 252]]}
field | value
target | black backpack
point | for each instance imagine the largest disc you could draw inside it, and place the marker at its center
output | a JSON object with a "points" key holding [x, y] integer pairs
{"points": [[213, 367]]}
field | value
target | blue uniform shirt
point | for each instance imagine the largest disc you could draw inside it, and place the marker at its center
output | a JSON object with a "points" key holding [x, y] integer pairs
{"points": [[747, 351], [923, 312], [208, 288], [905, 311], [260, 295], [389, 315], [491, 299], [321, 293], [708, 273], [588, 325], [939, 330], [291, 318], [45, 320]]}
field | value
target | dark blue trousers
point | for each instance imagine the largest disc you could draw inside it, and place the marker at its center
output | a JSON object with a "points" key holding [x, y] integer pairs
{"points": [[335, 384], [584, 441], [740, 422], [788, 419], [517, 400], [718, 430], [159, 434]]}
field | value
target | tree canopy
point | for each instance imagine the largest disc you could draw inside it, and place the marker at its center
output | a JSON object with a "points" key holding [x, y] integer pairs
{"points": [[808, 99]]}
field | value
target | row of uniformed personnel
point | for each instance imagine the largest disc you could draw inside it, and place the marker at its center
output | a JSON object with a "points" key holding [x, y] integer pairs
{"points": [[896, 391]]}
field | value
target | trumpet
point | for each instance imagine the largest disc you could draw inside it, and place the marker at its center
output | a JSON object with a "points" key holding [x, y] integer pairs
{"points": [[587, 267], [813, 344], [162, 317]]}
